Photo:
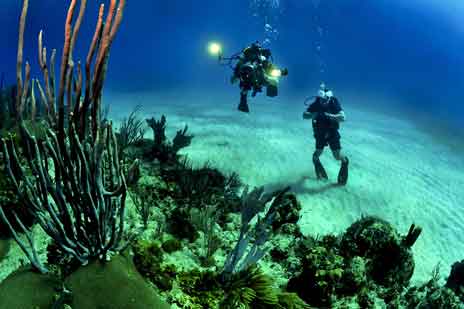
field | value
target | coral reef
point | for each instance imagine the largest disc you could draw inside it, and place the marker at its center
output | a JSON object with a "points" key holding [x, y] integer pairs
{"points": [[455, 279], [431, 295], [161, 149], [390, 260], [369, 261], [148, 259]]}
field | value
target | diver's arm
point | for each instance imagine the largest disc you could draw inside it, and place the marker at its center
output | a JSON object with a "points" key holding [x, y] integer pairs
{"points": [[340, 116], [308, 115]]}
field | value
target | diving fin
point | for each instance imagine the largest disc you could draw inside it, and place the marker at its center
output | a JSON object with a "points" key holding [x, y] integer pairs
{"points": [[343, 173], [243, 106], [320, 171]]}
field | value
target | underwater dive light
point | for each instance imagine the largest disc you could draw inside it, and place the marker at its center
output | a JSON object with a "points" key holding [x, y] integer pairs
{"points": [[215, 49], [276, 73]]}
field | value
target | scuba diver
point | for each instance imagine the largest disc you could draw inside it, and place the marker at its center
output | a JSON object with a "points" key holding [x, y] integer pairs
{"points": [[254, 70], [326, 115]]}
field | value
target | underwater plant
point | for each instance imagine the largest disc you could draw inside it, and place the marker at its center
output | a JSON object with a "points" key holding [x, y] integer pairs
{"points": [[133, 173], [291, 301], [148, 259], [180, 224], [11, 205], [197, 185], [78, 190], [253, 288], [7, 107], [205, 220], [253, 203], [202, 288], [131, 131], [144, 200], [432, 295], [250, 288]]}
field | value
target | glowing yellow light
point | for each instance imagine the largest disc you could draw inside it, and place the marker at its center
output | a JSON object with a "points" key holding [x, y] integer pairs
{"points": [[214, 48], [276, 73]]}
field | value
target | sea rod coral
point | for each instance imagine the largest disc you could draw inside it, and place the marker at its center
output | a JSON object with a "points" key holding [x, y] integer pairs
{"points": [[72, 181]]}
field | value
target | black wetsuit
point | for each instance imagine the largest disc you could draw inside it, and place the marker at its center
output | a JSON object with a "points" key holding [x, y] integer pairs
{"points": [[252, 77], [325, 129], [250, 71]]}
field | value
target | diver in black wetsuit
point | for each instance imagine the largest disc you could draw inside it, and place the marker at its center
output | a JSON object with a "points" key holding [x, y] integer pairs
{"points": [[326, 114], [249, 70], [254, 70]]}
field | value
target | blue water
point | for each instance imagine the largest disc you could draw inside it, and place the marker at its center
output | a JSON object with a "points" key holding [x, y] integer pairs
{"points": [[410, 51]]}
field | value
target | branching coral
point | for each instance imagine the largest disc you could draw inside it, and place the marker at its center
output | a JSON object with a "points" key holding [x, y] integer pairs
{"points": [[181, 140], [162, 150], [131, 131], [77, 189], [159, 128], [144, 200]]}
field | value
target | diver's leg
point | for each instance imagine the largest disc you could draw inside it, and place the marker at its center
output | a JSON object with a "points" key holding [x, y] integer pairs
{"points": [[243, 105], [343, 173], [335, 146], [338, 155], [319, 169]]}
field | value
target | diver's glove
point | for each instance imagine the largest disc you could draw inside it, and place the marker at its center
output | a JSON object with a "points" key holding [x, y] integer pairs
{"points": [[307, 115]]}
